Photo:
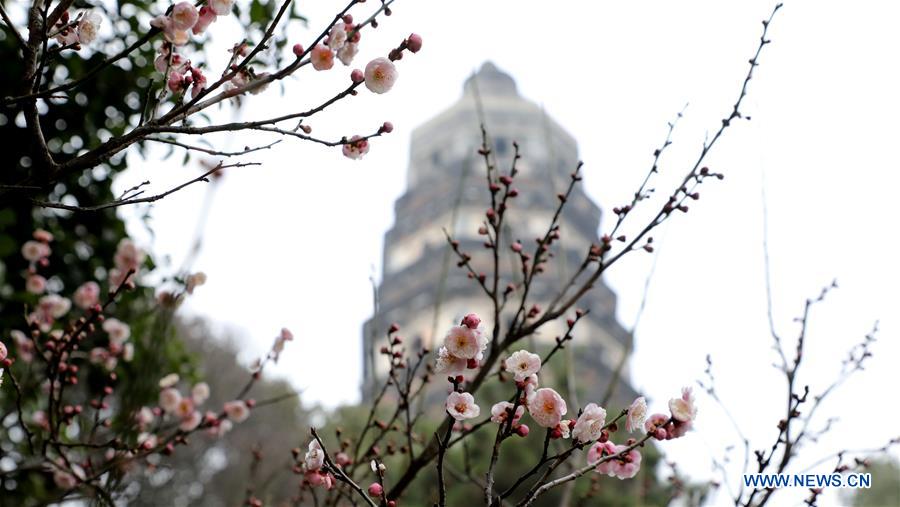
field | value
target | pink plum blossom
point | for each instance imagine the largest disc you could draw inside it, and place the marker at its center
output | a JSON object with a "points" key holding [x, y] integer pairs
{"points": [[3, 351], [322, 57], [465, 342], [683, 409], [356, 147], [637, 413], [169, 398], [190, 421], [36, 284], [625, 466], [500, 412], [117, 330], [461, 406], [87, 295], [337, 36], [237, 410], [381, 74], [347, 52], [590, 423], [547, 407], [184, 407], [523, 364], [448, 363], [33, 251], [184, 16], [205, 17]]}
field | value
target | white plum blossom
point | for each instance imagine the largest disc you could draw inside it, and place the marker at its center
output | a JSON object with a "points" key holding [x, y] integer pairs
{"points": [[590, 423], [547, 407], [169, 380], [190, 422], [89, 26], [221, 7], [637, 414], [237, 410], [683, 409], [36, 284], [461, 406], [523, 364], [315, 457], [200, 393], [117, 330], [381, 74]]}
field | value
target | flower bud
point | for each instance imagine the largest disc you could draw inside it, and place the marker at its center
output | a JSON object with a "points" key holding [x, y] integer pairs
{"points": [[375, 489], [414, 42]]}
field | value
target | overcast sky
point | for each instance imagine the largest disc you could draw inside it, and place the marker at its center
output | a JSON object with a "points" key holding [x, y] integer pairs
{"points": [[292, 243]]}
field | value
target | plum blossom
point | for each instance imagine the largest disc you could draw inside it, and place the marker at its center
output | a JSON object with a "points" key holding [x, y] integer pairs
{"points": [[465, 342], [184, 407], [205, 17], [683, 409], [49, 308], [381, 74], [590, 423], [221, 7], [169, 380], [117, 330], [625, 466], [184, 16], [448, 363], [656, 424], [315, 457], [128, 257], [322, 57], [24, 346], [356, 147], [637, 413], [169, 399], [523, 364], [86, 295], [237, 410], [337, 36], [3, 351], [36, 284], [347, 52], [144, 418], [34, 251], [547, 407], [500, 412], [320, 478], [190, 421], [461, 406], [88, 26], [200, 393]]}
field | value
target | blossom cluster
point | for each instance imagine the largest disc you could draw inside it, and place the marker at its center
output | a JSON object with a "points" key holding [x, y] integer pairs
{"points": [[82, 30], [463, 348]]}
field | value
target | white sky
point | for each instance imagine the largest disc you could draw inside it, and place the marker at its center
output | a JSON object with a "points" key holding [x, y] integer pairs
{"points": [[292, 243]]}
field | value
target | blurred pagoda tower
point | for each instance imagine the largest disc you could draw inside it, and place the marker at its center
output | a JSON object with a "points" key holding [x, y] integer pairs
{"points": [[424, 291]]}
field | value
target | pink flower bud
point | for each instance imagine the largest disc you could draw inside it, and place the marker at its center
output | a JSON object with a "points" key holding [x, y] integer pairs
{"points": [[357, 76], [375, 489], [522, 430], [471, 321], [298, 50], [387, 127], [414, 42]]}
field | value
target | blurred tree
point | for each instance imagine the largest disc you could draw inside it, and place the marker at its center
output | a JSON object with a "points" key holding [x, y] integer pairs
{"points": [[885, 490]]}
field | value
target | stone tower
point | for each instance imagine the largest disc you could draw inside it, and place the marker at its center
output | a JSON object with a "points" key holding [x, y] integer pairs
{"points": [[424, 291]]}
